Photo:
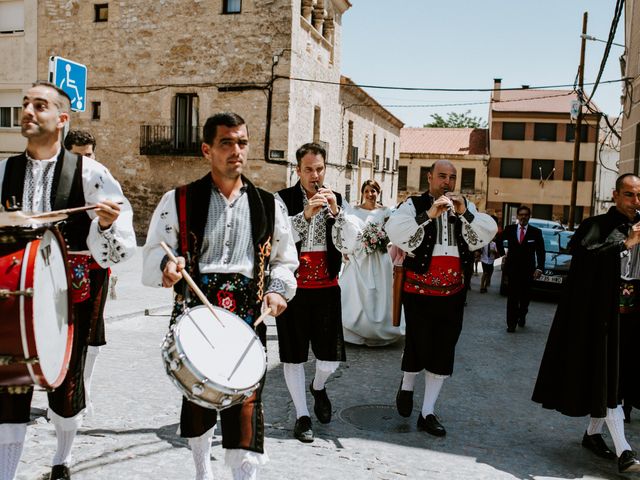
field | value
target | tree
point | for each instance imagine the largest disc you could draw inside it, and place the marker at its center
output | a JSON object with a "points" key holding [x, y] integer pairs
{"points": [[456, 120]]}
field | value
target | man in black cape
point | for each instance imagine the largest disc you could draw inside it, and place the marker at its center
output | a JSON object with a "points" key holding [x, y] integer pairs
{"points": [[580, 370]]}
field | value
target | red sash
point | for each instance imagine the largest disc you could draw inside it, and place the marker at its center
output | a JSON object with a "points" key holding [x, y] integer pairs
{"points": [[314, 271], [444, 278]]}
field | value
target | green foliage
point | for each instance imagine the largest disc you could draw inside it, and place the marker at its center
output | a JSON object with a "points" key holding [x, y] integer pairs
{"points": [[456, 120]]}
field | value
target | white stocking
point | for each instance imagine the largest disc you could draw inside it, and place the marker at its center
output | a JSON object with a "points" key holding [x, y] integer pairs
{"points": [[324, 369], [409, 381], [595, 426], [11, 443], [201, 451], [244, 463], [615, 424], [89, 365], [294, 378], [432, 385], [66, 430]]}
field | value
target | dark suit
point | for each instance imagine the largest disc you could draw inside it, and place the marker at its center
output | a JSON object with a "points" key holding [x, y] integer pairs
{"points": [[522, 261]]}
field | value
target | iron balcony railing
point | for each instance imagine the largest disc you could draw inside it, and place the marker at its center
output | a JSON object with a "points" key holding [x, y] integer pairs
{"points": [[169, 140]]}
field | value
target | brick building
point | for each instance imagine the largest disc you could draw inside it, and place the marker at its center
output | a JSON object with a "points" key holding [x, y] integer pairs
{"points": [[531, 145], [630, 144]]}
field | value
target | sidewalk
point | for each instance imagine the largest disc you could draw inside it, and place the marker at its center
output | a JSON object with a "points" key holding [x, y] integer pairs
{"points": [[494, 430]]}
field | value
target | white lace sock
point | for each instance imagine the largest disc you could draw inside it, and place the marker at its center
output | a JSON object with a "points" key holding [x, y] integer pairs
{"points": [[324, 369], [11, 443], [244, 464], [66, 430], [595, 426], [201, 451], [409, 381], [294, 378], [615, 424], [89, 366], [432, 385]]}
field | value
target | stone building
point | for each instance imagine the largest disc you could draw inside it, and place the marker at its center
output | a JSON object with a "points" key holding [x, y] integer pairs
{"points": [[371, 144], [18, 30], [607, 166], [157, 70], [531, 144], [466, 148], [630, 144]]}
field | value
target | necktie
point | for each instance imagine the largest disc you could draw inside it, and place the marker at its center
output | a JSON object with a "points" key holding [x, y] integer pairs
{"points": [[521, 235]]}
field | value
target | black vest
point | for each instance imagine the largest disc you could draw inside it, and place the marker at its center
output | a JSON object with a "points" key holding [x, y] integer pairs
{"points": [[293, 199], [66, 192], [262, 217], [421, 258]]}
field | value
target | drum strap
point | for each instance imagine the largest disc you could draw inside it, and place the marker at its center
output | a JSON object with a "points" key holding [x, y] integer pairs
{"points": [[70, 164]]}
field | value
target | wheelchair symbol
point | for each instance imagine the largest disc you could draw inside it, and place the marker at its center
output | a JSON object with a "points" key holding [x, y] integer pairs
{"points": [[71, 83]]}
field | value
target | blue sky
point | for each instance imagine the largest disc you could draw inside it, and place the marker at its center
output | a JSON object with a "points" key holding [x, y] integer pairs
{"points": [[467, 43]]}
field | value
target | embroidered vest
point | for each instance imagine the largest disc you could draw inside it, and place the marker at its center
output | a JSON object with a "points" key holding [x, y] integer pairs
{"points": [[421, 260], [66, 192], [262, 212], [293, 199]]}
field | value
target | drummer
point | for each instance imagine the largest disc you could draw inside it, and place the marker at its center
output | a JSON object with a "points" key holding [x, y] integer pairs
{"points": [[82, 142], [104, 236], [241, 235]]}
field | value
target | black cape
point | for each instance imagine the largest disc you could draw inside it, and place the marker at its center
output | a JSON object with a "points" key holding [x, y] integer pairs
{"points": [[579, 372]]}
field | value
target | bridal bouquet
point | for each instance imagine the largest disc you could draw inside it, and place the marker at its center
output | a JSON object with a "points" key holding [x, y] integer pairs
{"points": [[373, 238]]}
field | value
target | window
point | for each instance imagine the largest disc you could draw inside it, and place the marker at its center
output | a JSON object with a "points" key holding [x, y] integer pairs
{"points": [[542, 211], [185, 124], [544, 132], [12, 16], [468, 180], [316, 124], [96, 110], [578, 213], [377, 162], [542, 169], [568, 166], [354, 155], [510, 168], [10, 117], [101, 12], [512, 131], [347, 193], [350, 157], [424, 179], [232, 6], [570, 134], [387, 163], [402, 178]]}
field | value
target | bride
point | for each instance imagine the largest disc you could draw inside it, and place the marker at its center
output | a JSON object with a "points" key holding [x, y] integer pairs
{"points": [[366, 279]]}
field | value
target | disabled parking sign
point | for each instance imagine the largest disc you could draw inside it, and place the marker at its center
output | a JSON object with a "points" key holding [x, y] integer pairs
{"points": [[72, 78]]}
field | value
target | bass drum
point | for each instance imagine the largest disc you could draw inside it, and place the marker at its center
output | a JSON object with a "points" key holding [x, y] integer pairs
{"points": [[36, 328], [215, 363]]}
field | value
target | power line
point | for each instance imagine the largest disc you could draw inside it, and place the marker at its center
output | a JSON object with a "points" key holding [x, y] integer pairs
{"points": [[612, 33]]}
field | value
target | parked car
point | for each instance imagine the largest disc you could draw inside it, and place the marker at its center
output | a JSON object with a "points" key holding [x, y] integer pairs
{"points": [[542, 223], [556, 265]]}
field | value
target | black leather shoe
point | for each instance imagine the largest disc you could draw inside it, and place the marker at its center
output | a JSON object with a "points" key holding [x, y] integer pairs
{"points": [[404, 401], [596, 444], [321, 405], [60, 472], [628, 462], [522, 322], [430, 424], [302, 430], [511, 329]]}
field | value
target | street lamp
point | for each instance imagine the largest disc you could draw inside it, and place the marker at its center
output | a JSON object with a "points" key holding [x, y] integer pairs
{"points": [[594, 39]]}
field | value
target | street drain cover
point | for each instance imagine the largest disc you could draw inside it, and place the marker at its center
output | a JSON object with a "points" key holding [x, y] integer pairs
{"points": [[377, 418]]}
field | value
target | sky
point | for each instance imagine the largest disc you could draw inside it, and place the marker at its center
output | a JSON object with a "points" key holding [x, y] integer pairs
{"points": [[468, 43]]}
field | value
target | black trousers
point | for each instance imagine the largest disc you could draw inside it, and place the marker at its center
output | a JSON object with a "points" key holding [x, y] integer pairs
{"points": [[433, 328], [518, 297]]}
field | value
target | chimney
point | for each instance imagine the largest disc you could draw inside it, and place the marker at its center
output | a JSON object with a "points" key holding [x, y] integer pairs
{"points": [[497, 85]]}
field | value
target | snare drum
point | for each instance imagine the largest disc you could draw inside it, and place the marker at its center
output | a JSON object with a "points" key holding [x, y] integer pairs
{"points": [[36, 331], [215, 364]]}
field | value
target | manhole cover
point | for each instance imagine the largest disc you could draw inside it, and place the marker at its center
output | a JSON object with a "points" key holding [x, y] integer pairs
{"points": [[378, 418]]}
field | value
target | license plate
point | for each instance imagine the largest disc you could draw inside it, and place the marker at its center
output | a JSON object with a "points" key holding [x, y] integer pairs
{"points": [[550, 278]]}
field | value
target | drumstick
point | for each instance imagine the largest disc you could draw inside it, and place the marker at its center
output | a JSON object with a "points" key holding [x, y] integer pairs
{"points": [[190, 282], [66, 211], [261, 318]]}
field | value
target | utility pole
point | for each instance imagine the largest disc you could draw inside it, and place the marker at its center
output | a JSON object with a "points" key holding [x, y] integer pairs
{"points": [[578, 128]]}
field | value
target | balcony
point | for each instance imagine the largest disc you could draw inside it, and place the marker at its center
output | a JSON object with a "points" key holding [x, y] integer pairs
{"points": [[169, 140]]}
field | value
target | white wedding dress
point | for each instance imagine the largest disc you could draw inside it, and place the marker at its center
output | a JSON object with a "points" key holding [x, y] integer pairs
{"points": [[366, 284]]}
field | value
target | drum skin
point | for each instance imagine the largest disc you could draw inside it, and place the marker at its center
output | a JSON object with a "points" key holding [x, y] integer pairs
{"points": [[214, 363], [23, 253]]}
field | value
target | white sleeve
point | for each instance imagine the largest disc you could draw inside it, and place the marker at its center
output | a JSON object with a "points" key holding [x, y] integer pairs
{"points": [[284, 256], [346, 230], [118, 242], [403, 229], [163, 228], [478, 229]]}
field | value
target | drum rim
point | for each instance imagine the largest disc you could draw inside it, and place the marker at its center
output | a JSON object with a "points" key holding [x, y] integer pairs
{"points": [[173, 339]]}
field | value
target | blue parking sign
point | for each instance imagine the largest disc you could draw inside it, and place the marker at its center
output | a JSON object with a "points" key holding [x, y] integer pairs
{"points": [[72, 78]]}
